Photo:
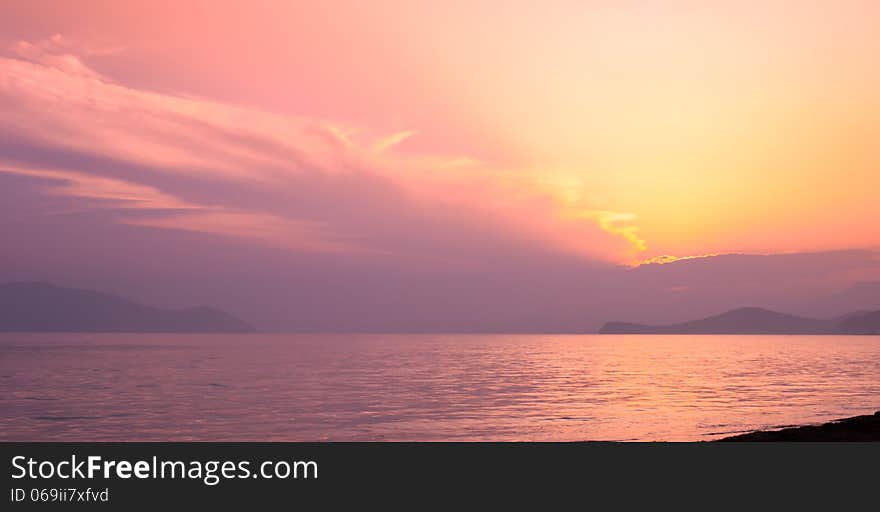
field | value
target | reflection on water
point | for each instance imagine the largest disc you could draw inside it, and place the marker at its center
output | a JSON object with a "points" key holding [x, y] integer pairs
{"points": [[426, 387]]}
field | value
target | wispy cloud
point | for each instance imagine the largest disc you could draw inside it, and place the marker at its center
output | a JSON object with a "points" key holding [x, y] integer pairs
{"points": [[104, 192], [64, 54], [668, 258], [389, 141], [620, 223]]}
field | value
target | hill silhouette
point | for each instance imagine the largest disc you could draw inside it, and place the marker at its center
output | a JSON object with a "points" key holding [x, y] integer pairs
{"points": [[860, 323], [752, 320], [35, 307]]}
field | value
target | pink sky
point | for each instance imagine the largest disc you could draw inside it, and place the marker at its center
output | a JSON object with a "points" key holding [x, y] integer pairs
{"points": [[443, 134]]}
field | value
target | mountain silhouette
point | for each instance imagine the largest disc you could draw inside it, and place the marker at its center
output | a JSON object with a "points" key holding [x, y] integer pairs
{"points": [[44, 307], [753, 320], [860, 323]]}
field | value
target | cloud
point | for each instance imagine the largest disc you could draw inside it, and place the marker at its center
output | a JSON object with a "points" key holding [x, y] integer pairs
{"points": [[665, 259], [121, 196], [611, 222], [336, 134], [104, 192], [297, 183], [389, 141], [271, 230], [64, 55]]}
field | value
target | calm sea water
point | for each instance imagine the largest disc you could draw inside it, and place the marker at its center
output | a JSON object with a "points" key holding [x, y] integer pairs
{"points": [[426, 387]]}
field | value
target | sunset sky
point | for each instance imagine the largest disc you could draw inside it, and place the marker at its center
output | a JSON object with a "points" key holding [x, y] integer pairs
{"points": [[320, 154]]}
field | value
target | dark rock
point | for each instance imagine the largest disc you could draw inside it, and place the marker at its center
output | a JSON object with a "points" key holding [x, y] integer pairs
{"points": [[858, 428]]}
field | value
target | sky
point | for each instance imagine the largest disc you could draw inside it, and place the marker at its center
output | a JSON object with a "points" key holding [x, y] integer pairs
{"points": [[407, 165]]}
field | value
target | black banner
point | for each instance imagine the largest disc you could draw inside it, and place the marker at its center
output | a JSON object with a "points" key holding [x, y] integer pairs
{"points": [[119, 476]]}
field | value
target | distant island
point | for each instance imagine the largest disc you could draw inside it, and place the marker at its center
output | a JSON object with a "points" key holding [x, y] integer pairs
{"points": [[753, 320], [42, 307]]}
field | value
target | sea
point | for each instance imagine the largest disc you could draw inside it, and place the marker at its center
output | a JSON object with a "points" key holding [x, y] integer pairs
{"points": [[426, 387]]}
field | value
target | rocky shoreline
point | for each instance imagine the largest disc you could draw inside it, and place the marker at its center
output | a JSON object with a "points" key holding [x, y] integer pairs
{"points": [[857, 428]]}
